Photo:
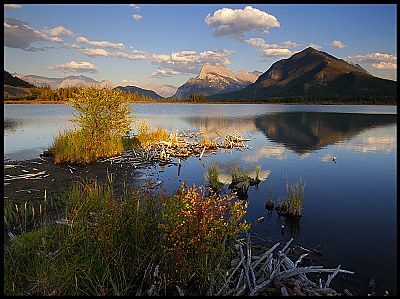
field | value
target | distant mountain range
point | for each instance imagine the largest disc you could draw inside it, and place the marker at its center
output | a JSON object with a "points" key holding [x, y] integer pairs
{"points": [[313, 74], [214, 80], [165, 90], [309, 75], [78, 81], [154, 91], [140, 91]]}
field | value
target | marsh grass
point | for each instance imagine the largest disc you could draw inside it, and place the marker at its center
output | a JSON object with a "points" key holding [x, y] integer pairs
{"points": [[109, 243], [76, 147], [292, 204], [145, 136], [103, 117], [213, 178]]}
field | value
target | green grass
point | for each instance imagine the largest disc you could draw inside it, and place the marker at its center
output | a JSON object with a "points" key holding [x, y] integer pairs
{"points": [[111, 243], [213, 178], [76, 147], [146, 136], [292, 204]]}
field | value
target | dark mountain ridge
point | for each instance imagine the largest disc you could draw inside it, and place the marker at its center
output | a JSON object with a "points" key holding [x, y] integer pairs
{"points": [[312, 74], [141, 92], [15, 81]]}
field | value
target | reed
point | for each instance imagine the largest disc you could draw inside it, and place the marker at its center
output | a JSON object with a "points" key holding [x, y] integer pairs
{"points": [[213, 178], [76, 147], [146, 137], [109, 244], [292, 204]]}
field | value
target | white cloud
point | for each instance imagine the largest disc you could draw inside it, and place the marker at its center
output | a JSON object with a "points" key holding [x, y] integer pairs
{"points": [[134, 55], [274, 50], [236, 22], [163, 73], [338, 44], [18, 34], [75, 67], [12, 6], [315, 46], [137, 17], [59, 31], [190, 61], [385, 66], [106, 44], [375, 57], [134, 6], [290, 44]]}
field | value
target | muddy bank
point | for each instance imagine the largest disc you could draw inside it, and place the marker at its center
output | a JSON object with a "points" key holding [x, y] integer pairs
{"points": [[31, 180]]}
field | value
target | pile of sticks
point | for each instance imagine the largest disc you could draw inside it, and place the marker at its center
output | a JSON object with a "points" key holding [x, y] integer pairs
{"points": [[181, 146], [277, 274]]}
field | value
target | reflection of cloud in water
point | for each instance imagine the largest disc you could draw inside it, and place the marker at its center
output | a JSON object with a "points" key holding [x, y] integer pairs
{"points": [[226, 178], [327, 157], [304, 156], [373, 144], [278, 153]]}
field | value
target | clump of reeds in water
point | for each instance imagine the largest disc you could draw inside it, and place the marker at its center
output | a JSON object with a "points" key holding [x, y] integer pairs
{"points": [[213, 178], [293, 202], [77, 147], [146, 136]]}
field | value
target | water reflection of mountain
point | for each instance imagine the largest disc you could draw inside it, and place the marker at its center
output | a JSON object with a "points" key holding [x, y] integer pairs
{"points": [[222, 124], [304, 132]]}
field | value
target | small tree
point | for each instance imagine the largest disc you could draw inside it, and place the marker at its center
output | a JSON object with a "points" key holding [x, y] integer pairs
{"points": [[103, 117], [102, 112]]}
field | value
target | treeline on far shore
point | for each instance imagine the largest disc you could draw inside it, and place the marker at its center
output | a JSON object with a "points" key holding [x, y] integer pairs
{"points": [[46, 94]]}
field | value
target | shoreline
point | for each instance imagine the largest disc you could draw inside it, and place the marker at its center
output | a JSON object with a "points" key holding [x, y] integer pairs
{"points": [[177, 102]]}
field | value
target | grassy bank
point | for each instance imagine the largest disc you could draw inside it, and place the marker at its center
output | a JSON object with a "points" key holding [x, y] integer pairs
{"points": [[132, 243]]}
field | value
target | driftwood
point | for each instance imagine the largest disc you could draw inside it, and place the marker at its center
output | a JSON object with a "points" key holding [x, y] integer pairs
{"points": [[179, 146], [277, 274]]}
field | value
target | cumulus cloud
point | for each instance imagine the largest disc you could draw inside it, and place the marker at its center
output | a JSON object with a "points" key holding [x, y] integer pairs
{"points": [[106, 44], [137, 17], [190, 61], [58, 31], [163, 74], [273, 50], [385, 66], [276, 52], [74, 67], [379, 61], [134, 6], [315, 46], [18, 34], [236, 22], [133, 55], [12, 6], [338, 44], [375, 57]]}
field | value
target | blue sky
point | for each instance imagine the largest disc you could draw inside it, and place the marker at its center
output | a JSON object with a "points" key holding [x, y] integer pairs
{"points": [[142, 44]]}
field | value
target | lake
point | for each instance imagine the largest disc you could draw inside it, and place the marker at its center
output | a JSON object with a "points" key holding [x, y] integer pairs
{"points": [[349, 210]]}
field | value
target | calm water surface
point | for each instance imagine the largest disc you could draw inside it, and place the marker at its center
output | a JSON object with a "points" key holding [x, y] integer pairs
{"points": [[349, 207]]}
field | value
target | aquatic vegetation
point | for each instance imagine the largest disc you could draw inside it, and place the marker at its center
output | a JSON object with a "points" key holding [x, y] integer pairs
{"points": [[292, 204], [147, 137], [103, 119], [213, 178], [112, 244]]}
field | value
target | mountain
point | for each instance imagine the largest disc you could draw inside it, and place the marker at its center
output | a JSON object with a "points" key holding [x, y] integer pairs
{"points": [[312, 74], [165, 90], [140, 91], [78, 81], [215, 79], [15, 81]]}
